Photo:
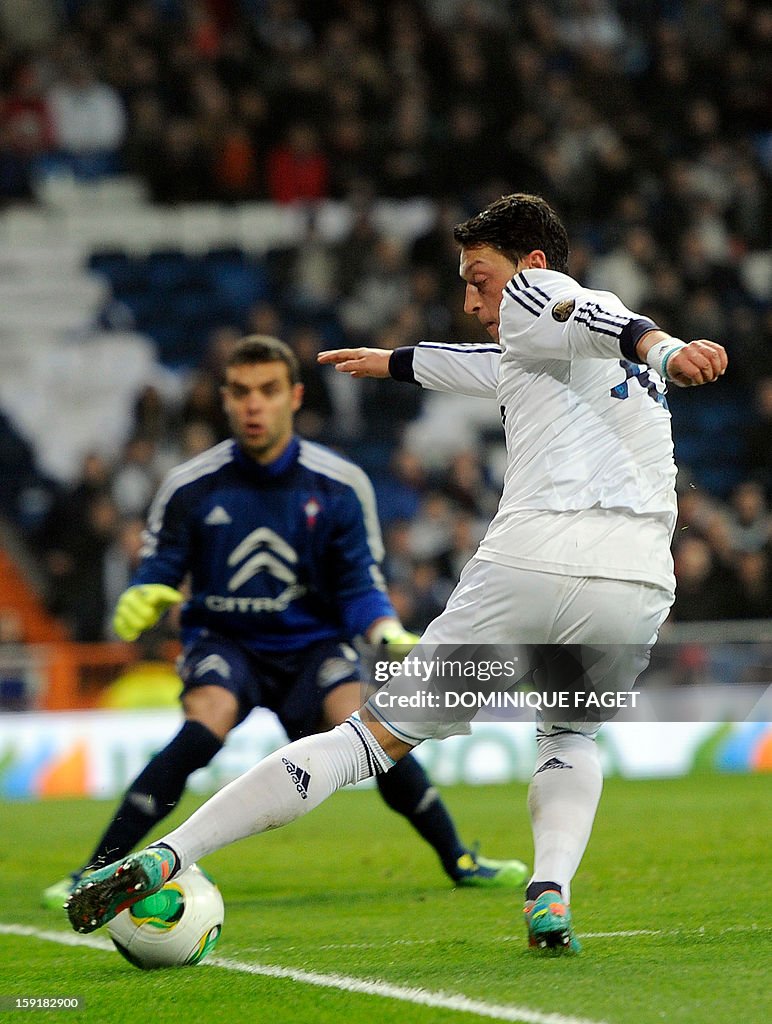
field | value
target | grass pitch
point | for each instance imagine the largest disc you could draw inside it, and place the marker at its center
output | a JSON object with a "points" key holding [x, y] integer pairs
{"points": [[670, 906]]}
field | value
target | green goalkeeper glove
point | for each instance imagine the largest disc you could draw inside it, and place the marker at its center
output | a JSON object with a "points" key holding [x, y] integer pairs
{"points": [[141, 607], [394, 637]]}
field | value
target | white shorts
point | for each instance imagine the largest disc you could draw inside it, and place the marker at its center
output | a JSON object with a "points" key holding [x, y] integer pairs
{"points": [[495, 604]]}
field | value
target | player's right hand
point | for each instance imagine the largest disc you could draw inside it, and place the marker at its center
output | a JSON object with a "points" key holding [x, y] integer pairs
{"points": [[699, 362], [141, 607], [358, 362]]}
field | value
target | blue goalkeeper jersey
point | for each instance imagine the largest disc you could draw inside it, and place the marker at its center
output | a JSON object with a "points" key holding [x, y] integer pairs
{"points": [[279, 556]]}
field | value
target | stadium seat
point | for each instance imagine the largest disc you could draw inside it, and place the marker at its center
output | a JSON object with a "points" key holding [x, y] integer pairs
{"points": [[124, 272], [47, 258], [88, 291], [204, 225], [23, 226], [176, 347], [94, 381], [66, 192], [147, 307], [404, 219], [137, 230], [49, 315], [237, 282], [262, 226], [169, 270], [225, 254]]}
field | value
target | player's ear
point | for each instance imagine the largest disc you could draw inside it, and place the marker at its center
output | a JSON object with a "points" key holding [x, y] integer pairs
{"points": [[536, 260], [297, 396]]}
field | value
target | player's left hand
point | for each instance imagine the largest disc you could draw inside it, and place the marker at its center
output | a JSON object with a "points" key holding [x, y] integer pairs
{"points": [[358, 362], [699, 362]]}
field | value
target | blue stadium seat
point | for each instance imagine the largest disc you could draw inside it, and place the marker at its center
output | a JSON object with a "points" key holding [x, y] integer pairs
{"points": [[147, 307], [176, 348], [124, 273], [179, 299], [170, 270], [239, 281]]}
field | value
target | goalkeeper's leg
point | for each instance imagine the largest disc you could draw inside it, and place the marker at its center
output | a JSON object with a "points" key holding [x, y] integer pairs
{"points": [[156, 791], [211, 712]]}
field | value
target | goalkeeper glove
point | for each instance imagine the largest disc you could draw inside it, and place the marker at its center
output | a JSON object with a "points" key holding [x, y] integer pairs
{"points": [[141, 607], [393, 635]]}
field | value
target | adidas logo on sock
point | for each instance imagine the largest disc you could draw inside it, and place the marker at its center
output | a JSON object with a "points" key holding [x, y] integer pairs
{"points": [[299, 776], [554, 762]]}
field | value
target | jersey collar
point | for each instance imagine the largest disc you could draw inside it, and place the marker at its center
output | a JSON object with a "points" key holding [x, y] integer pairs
{"points": [[285, 461]]}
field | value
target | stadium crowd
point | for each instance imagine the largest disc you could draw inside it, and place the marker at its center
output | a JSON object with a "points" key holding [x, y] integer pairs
{"points": [[651, 134]]}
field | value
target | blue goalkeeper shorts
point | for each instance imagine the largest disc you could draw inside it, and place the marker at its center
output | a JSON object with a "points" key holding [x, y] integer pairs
{"points": [[292, 684]]}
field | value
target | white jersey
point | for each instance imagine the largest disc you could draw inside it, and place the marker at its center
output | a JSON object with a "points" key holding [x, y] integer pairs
{"points": [[589, 488]]}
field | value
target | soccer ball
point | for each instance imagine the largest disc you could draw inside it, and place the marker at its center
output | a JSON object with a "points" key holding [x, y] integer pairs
{"points": [[177, 926]]}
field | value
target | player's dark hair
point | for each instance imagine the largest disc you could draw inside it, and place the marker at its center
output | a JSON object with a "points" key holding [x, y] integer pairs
{"points": [[516, 225], [262, 348]]}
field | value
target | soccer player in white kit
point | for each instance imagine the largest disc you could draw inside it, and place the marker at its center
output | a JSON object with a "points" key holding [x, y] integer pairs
{"points": [[578, 552]]}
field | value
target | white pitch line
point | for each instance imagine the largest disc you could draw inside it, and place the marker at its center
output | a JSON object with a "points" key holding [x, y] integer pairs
{"points": [[62, 938], [341, 982], [629, 934], [702, 930], [418, 996]]}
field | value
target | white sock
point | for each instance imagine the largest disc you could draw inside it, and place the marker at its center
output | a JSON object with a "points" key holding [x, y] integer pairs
{"points": [[282, 787], [562, 799]]}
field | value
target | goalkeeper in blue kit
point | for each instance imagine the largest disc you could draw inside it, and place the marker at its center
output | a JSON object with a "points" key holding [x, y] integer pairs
{"points": [[281, 542]]}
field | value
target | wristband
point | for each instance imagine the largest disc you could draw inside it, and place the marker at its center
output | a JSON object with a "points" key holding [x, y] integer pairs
{"points": [[659, 355]]}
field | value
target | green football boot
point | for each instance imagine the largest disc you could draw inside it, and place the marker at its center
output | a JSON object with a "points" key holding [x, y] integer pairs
{"points": [[473, 871], [548, 919], [104, 893]]}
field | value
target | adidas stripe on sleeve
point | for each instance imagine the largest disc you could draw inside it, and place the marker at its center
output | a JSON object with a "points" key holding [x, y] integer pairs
{"points": [[547, 315], [463, 369]]}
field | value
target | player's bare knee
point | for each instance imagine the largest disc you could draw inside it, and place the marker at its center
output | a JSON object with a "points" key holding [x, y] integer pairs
{"points": [[212, 706], [342, 702], [394, 747]]}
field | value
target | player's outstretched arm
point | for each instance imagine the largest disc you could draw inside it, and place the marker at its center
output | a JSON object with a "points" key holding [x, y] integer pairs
{"points": [[358, 362], [688, 365]]}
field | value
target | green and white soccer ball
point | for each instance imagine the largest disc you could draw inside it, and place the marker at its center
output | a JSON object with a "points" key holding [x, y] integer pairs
{"points": [[176, 927]]}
